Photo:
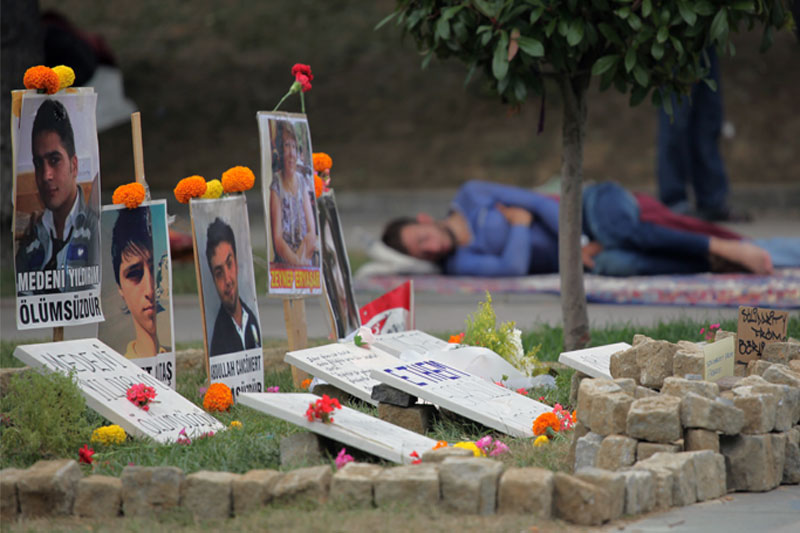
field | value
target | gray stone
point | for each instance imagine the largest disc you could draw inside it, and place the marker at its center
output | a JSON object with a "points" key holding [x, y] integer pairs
{"points": [[208, 495], [638, 339], [675, 386], [623, 365], [412, 485], [440, 454], [700, 412], [787, 411], [48, 488], [526, 491], [655, 362], [613, 482], [580, 502], [253, 490], [782, 375], [609, 413], [700, 439], [644, 392], [579, 430], [686, 363], [354, 485], [754, 462], [709, 469], [759, 410], [722, 334], [149, 490], [728, 382], [574, 385], [9, 498], [586, 449], [384, 393], [628, 385], [794, 365], [791, 466], [304, 484], [587, 392], [640, 491], [300, 449], [655, 419], [663, 481], [99, 497], [469, 486], [648, 449], [757, 367], [749, 381], [616, 452], [684, 479], [781, 352], [417, 418]]}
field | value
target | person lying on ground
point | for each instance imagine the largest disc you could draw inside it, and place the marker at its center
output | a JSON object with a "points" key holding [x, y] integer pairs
{"points": [[500, 230]]}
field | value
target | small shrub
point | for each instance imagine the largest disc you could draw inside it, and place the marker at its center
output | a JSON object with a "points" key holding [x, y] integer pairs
{"points": [[44, 417]]}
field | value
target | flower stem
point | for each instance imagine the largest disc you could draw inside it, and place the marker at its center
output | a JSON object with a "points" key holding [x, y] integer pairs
{"points": [[302, 103], [285, 96]]}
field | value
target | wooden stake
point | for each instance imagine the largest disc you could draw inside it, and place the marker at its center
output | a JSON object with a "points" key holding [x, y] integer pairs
{"points": [[294, 314], [58, 334], [200, 294], [138, 152]]}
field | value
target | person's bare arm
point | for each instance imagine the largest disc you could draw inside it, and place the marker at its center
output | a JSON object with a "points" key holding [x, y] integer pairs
{"points": [[516, 216], [745, 253], [282, 248], [310, 238]]}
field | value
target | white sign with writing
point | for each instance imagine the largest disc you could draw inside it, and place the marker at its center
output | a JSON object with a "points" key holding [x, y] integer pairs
{"points": [[409, 341], [350, 427], [343, 365], [719, 358], [104, 377], [467, 395], [594, 362]]}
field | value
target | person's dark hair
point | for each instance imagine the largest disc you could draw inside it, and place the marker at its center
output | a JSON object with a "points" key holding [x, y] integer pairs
{"points": [[218, 232], [283, 131], [53, 116], [392, 234], [131, 230]]}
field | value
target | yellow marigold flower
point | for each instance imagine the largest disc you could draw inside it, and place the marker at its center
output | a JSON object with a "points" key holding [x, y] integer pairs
{"points": [[541, 440], [213, 189], [477, 452], [191, 187], [238, 179], [236, 425], [41, 77], [66, 76], [322, 162], [108, 435], [545, 420], [130, 194], [218, 398]]}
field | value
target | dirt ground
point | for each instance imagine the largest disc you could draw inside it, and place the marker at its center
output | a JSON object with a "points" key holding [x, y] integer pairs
{"points": [[200, 70]]}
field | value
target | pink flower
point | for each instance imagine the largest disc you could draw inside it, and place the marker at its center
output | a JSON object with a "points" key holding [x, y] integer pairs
{"points": [[522, 391], [499, 448], [484, 442], [343, 458], [276, 388]]}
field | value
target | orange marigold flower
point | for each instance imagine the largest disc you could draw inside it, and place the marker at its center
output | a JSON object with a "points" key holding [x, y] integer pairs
{"points": [[238, 179], [305, 383], [319, 185], [191, 187], [456, 339], [218, 398], [41, 77], [130, 194], [545, 420], [440, 444], [322, 162]]}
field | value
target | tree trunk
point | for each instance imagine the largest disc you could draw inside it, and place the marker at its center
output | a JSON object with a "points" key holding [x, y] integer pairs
{"points": [[22, 47], [570, 264]]}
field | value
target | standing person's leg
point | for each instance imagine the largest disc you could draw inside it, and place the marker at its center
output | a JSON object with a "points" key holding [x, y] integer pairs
{"points": [[709, 179], [673, 160]]}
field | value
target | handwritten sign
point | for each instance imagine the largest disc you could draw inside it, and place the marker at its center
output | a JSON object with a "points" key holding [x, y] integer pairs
{"points": [[719, 359], [465, 394], [758, 327], [350, 427], [594, 362], [104, 376], [343, 365]]}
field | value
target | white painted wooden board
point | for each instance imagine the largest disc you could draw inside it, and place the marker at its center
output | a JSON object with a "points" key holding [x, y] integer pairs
{"points": [[414, 341], [350, 427], [595, 362], [465, 394], [104, 377]]}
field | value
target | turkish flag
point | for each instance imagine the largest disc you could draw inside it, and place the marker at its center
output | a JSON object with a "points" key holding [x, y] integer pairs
{"points": [[392, 312]]}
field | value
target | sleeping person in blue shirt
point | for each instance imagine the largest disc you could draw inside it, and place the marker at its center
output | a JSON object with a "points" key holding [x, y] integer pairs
{"points": [[500, 230]]}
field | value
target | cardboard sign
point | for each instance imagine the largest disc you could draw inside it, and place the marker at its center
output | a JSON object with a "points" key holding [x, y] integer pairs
{"points": [[350, 427], [594, 362], [467, 395], [758, 327], [104, 377], [343, 365], [392, 312], [415, 341], [719, 359]]}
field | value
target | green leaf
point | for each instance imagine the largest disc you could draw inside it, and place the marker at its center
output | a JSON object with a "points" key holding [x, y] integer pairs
{"points": [[531, 46], [488, 8], [470, 73], [443, 29], [630, 59], [451, 12], [719, 26], [427, 59], [731, 48], [575, 33], [686, 12], [623, 13], [704, 8], [667, 102], [604, 63], [635, 22], [483, 28], [657, 51], [500, 59], [663, 34], [548, 30], [641, 75], [647, 8], [563, 28], [485, 38], [520, 92], [711, 83], [536, 15], [744, 5], [610, 33], [385, 20], [676, 43], [638, 94]]}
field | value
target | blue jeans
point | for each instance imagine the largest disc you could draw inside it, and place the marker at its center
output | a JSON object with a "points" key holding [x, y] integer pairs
{"points": [[688, 148], [632, 247]]}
